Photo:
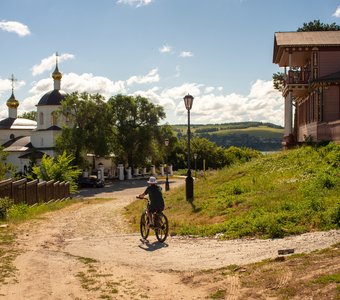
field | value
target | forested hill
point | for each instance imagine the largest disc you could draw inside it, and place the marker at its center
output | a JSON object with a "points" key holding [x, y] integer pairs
{"points": [[256, 135]]}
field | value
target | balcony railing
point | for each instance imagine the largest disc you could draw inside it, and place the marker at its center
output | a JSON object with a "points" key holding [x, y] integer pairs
{"points": [[297, 77]]}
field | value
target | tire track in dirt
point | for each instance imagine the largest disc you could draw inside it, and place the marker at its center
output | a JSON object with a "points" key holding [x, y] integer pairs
{"points": [[233, 292]]}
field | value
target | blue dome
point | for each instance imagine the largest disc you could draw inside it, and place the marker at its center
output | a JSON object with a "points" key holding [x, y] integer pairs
{"points": [[52, 98]]}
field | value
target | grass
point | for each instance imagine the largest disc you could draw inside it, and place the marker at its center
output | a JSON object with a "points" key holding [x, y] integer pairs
{"points": [[7, 256], [261, 131], [280, 194]]}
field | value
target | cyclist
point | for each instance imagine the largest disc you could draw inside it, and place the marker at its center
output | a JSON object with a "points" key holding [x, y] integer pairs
{"points": [[156, 201]]}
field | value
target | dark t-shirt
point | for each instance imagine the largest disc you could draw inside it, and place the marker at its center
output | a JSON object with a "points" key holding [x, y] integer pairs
{"points": [[156, 201]]}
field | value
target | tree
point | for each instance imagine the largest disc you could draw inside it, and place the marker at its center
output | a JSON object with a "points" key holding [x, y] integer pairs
{"points": [[208, 151], [136, 126], [316, 25], [5, 168], [31, 115], [59, 169], [89, 127]]}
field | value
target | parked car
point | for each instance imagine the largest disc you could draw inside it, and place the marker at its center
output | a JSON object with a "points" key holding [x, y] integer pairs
{"points": [[91, 181]]}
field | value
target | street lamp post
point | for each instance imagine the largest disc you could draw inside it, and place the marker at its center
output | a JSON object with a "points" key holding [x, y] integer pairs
{"points": [[167, 186], [189, 183], [195, 157]]}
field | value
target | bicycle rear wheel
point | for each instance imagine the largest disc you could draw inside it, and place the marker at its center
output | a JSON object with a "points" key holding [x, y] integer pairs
{"points": [[143, 225], [162, 227]]}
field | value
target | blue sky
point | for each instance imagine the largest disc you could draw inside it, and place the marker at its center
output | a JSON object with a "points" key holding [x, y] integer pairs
{"points": [[220, 51]]}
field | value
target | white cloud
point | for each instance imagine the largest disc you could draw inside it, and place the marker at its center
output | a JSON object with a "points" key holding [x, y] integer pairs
{"points": [[48, 63], [211, 104], [209, 89], [155, 96], [85, 82], [135, 3], [152, 76], [16, 27], [186, 54], [165, 49], [263, 103], [337, 12], [5, 85]]}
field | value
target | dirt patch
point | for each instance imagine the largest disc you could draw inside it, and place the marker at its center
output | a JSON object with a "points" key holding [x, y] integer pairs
{"points": [[85, 251]]}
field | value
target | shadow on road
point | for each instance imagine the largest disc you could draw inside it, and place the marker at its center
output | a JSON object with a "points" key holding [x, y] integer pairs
{"points": [[115, 186], [147, 246]]}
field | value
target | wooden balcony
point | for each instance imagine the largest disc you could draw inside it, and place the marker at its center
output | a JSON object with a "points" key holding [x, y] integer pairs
{"points": [[298, 83]]}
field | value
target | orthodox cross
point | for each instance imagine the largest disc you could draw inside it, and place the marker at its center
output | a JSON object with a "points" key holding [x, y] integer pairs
{"points": [[56, 57], [13, 79]]}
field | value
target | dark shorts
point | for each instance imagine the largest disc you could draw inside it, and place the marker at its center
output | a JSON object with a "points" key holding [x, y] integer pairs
{"points": [[152, 208]]}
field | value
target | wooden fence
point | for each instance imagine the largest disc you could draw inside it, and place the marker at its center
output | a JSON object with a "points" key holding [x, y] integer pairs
{"points": [[33, 192]]}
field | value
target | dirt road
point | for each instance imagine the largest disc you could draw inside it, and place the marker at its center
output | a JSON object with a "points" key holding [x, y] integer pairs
{"points": [[85, 251]]}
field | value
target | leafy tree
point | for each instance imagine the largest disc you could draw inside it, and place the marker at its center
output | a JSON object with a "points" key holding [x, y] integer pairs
{"points": [[136, 123], [31, 115], [208, 151], [316, 25], [278, 81], [160, 151], [5, 167], [59, 169], [90, 126]]}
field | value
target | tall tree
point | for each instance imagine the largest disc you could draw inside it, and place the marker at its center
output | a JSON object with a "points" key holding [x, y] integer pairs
{"points": [[89, 127], [136, 120]]}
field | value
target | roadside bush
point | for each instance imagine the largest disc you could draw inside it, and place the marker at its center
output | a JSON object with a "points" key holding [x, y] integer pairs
{"points": [[335, 215], [18, 211], [5, 204]]}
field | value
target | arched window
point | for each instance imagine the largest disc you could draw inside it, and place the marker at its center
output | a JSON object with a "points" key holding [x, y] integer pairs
{"points": [[41, 118], [12, 136], [54, 116]]}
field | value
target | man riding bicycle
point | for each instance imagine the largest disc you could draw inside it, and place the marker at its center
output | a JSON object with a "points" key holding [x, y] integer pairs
{"points": [[156, 201]]}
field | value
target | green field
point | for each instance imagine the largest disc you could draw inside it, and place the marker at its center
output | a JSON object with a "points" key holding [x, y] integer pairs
{"points": [[256, 135]]}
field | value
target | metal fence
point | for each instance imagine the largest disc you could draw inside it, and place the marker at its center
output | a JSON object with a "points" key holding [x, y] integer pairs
{"points": [[33, 192]]}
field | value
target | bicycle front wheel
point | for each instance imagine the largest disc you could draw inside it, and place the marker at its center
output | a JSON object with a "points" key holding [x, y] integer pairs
{"points": [[144, 228], [162, 228]]}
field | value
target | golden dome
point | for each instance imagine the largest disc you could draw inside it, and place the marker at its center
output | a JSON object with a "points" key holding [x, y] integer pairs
{"points": [[56, 75], [12, 102]]}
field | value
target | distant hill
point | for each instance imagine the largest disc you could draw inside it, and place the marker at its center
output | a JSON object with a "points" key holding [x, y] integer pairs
{"points": [[257, 135]]}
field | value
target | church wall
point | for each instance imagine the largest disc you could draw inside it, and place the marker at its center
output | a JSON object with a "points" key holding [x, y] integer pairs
{"points": [[47, 111], [6, 133], [13, 159], [41, 139]]}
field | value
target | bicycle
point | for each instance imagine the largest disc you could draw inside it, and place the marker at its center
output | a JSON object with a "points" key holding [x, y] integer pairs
{"points": [[161, 225]]}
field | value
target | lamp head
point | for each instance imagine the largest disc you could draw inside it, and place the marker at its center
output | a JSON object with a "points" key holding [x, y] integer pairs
{"points": [[188, 100]]}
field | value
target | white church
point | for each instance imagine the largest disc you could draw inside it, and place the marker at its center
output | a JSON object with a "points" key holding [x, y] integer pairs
{"points": [[24, 139]]}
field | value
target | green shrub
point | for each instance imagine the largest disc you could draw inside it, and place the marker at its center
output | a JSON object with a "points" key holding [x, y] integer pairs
{"points": [[5, 204], [335, 215], [18, 211]]}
